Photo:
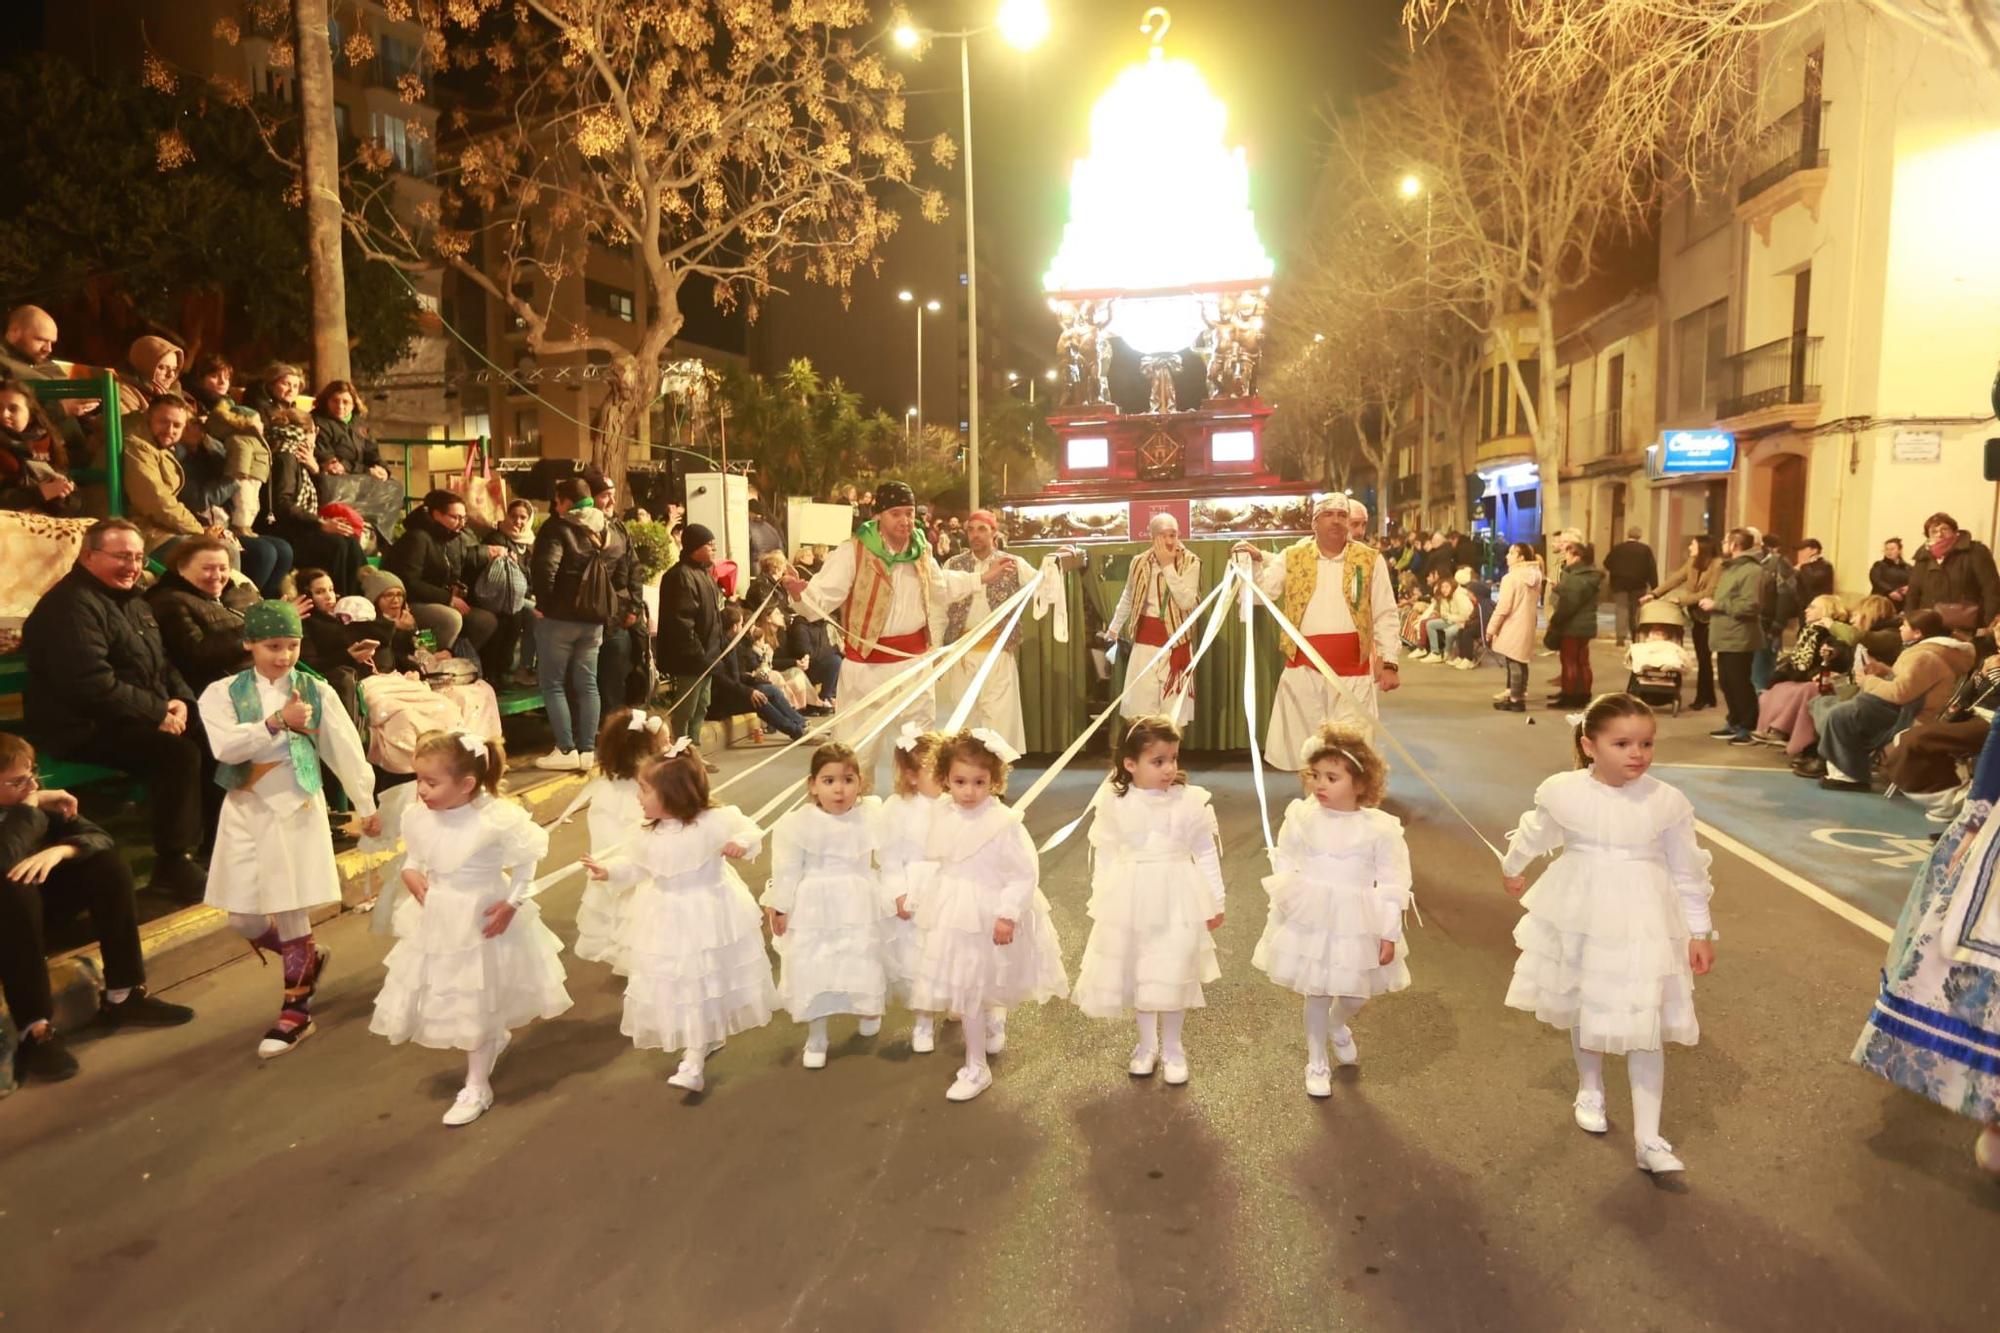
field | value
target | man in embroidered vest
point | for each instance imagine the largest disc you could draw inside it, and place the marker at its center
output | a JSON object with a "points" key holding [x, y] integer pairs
{"points": [[887, 591], [999, 706], [1337, 591], [270, 727], [1162, 587]]}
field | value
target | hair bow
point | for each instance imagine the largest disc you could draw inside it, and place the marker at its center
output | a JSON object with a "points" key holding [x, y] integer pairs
{"points": [[911, 734], [678, 748], [996, 744], [643, 721], [1574, 719], [471, 744]]}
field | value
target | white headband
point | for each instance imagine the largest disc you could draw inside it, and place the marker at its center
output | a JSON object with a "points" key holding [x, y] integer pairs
{"points": [[644, 721], [472, 744], [911, 734], [1326, 504], [996, 744], [1315, 749]]}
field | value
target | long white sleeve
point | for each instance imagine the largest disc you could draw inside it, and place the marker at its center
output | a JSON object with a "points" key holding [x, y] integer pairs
{"points": [[1123, 610], [1392, 876], [1536, 834], [827, 592], [1019, 871], [233, 742], [733, 826], [340, 746], [1184, 585], [1271, 575], [1208, 857], [1291, 848], [525, 844], [1687, 864], [1382, 596], [788, 861]]}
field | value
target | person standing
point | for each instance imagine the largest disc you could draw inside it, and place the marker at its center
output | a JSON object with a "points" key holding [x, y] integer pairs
{"points": [[1890, 576], [999, 704], [890, 595], [570, 574], [1815, 572], [1162, 587], [1687, 588], [628, 618], [1736, 631], [690, 638], [1337, 593], [1573, 624], [1631, 570], [1511, 631], [1954, 576]]}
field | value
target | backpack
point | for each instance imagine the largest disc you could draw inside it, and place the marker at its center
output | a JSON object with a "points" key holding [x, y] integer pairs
{"points": [[501, 587], [1777, 592], [596, 596]]}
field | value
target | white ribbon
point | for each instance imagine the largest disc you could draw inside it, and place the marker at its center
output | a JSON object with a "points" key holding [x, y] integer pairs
{"points": [[967, 701], [749, 622], [996, 744], [907, 740], [679, 747], [641, 720], [473, 745]]}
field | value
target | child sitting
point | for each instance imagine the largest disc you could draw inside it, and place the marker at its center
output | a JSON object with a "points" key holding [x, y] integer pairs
{"points": [[33, 463]]}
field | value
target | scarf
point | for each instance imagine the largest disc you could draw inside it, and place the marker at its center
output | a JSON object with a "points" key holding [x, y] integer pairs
{"points": [[870, 537], [1940, 549], [304, 754]]}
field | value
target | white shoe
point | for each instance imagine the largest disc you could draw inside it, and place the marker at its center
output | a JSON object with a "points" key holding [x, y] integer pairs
{"points": [[923, 1037], [1344, 1050], [1462, 664], [270, 1048], [1589, 1112], [813, 1057], [870, 1026], [1986, 1149], [972, 1080], [1144, 1060], [468, 1107], [1658, 1157], [996, 1033], [1420, 655], [1175, 1072], [1319, 1081], [557, 761], [586, 760], [689, 1077]]}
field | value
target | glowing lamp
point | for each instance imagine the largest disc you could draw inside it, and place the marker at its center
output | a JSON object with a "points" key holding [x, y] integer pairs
{"points": [[907, 37], [1023, 23], [1410, 187]]}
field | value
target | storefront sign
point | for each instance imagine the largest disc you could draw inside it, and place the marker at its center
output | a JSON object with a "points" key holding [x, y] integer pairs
{"points": [[1687, 452], [1917, 446]]}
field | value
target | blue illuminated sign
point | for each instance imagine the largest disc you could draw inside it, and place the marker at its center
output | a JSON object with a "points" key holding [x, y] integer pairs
{"points": [[1684, 452]]}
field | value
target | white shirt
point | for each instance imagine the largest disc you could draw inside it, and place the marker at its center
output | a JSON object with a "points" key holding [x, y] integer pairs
{"points": [[1645, 817], [1183, 586], [1328, 612], [827, 592], [252, 742], [983, 600]]}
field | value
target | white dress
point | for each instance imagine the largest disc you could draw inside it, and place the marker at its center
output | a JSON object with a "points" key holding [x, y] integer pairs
{"points": [[1157, 884], [903, 825], [1604, 943], [614, 820], [693, 937], [836, 929], [273, 848], [449, 986], [986, 871], [1341, 881]]}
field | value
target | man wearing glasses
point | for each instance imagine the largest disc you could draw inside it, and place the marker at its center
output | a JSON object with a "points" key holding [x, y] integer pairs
{"points": [[101, 691]]}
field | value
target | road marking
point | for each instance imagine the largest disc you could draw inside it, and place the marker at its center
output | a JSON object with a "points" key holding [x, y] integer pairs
{"points": [[1893, 850], [1840, 907]]}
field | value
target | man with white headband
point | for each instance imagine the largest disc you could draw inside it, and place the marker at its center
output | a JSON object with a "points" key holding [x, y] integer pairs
{"points": [[889, 596], [999, 705], [1357, 520], [1338, 593], [1162, 588]]}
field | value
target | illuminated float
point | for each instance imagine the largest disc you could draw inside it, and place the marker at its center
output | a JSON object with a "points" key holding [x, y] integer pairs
{"points": [[1160, 288]]}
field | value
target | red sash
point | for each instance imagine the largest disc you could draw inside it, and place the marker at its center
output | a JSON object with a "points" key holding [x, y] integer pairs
{"points": [[1341, 651], [1152, 631], [890, 648]]}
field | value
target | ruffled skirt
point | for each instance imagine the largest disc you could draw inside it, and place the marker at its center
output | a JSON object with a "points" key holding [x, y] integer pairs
{"points": [[451, 988], [960, 969], [600, 919], [699, 973], [1149, 947], [1322, 940], [832, 956], [1604, 954]]}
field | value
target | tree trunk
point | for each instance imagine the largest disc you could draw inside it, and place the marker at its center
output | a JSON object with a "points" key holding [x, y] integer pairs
{"points": [[321, 151]]}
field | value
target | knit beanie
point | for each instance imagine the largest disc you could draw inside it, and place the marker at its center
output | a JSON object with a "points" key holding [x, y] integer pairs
{"points": [[694, 536]]}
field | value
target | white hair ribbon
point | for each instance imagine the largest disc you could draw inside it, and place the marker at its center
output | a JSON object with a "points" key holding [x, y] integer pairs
{"points": [[471, 744], [911, 734], [1574, 719], [996, 744], [643, 721], [678, 748]]}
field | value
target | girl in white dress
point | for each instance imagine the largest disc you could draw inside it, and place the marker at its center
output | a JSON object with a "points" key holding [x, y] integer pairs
{"points": [[692, 936], [269, 727], [1155, 896], [1619, 927], [477, 962], [628, 738], [988, 942], [829, 921], [1341, 881], [904, 826]]}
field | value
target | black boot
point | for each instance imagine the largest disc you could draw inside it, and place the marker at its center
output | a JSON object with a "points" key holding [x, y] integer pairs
{"points": [[141, 1010], [45, 1057]]}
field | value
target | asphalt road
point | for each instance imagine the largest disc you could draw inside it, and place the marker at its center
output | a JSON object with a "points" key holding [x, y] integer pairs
{"points": [[180, 1184]]}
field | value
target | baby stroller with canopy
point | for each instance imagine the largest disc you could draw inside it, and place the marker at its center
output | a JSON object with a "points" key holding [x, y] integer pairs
{"points": [[1658, 657]]}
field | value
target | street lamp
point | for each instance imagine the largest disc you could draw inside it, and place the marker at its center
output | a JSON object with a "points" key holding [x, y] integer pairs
{"points": [[1410, 186], [909, 452], [909, 297], [1022, 24]]}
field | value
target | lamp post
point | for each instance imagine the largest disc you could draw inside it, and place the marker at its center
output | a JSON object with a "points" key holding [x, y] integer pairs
{"points": [[1022, 24], [1410, 187], [910, 298]]}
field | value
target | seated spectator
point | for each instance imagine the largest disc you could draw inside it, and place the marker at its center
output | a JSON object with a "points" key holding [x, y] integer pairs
{"points": [[413, 690], [738, 690], [769, 582], [57, 864], [787, 673], [238, 432], [158, 489], [576, 594], [1915, 691], [437, 561], [154, 368], [1953, 576], [810, 642], [1878, 627], [1823, 654], [27, 353], [101, 690], [200, 612], [1931, 762], [292, 511], [34, 462], [278, 386], [503, 589], [396, 624], [330, 645], [1890, 576], [1450, 608], [343, 442]]}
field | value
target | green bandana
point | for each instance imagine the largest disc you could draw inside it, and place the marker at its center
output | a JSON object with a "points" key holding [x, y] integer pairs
{"points": [[271, 620], [870, 538]]}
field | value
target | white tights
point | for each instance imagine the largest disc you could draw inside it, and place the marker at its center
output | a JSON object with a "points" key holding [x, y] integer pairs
{"points": [[1326, 1014], [1160, 1030], [289, 925], [1646, 1071], [479, 1065]]}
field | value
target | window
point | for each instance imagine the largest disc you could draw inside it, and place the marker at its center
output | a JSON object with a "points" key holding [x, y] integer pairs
{"points": [[1089, 452], [1232, 446], [393, 134], [341, 128], [1531, 389], [608, 300], [475, 425], [394, 58], [527, 432], [1701, 344]]}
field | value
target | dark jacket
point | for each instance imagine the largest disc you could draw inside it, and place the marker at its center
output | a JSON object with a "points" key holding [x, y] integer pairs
{"points": [[1574, 615], [734, 678], [806, 637], [26, 829], [430, 560], [291, 497], [1630, 567], [204, 636], [1806, 660], [94, 655], [690, 634], [1884, 641], [1966, 574], [625, 580], [563, 547], [347, 441], [19, 465], [1464, 553], [1736, 624], [1886, 576], [1434, 562], [1815, 580]]}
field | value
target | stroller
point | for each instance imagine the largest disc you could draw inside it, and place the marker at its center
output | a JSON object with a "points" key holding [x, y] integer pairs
{"points": [[1657, 657]]}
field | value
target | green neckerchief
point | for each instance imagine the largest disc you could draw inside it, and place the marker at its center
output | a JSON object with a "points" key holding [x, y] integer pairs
{"points": [[870, 537]]}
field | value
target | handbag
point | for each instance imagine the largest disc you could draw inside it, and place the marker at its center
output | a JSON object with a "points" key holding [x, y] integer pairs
{"points": [[376, 500], [1958, 615], [485, 495]]}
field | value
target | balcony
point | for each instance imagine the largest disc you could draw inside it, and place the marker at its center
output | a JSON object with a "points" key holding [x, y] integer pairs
{"points": [[1772, 387], [1787, 165]]}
